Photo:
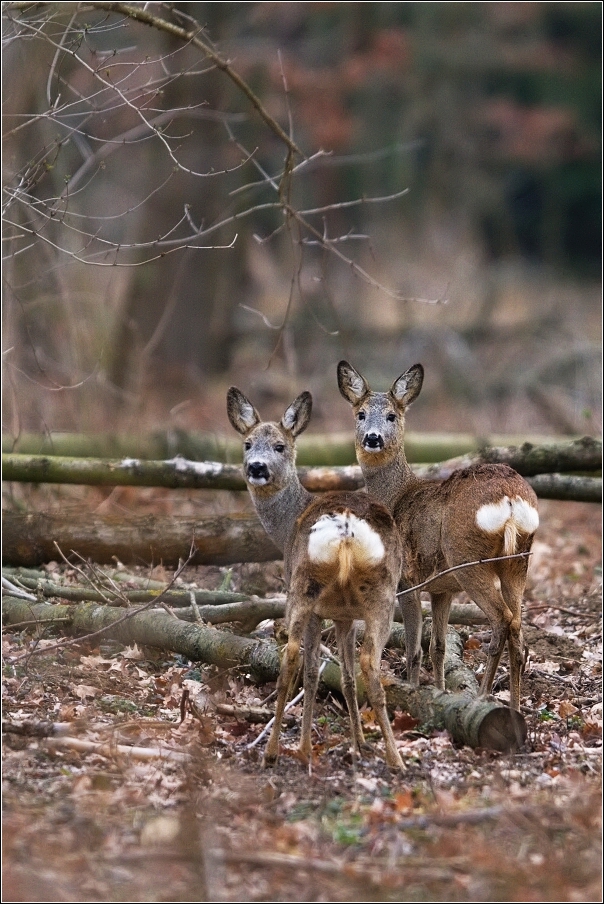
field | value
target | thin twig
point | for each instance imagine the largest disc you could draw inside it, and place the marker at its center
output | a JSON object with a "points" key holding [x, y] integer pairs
{"points": [[130, 614], [288, 706], [192, 37], [435, 577], [17, 592]]}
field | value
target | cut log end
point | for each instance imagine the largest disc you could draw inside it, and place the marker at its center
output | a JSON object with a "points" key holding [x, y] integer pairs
{"points": [[502, 729]]}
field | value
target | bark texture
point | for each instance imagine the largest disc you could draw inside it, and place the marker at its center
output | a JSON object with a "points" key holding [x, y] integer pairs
{"points": [[29, 539]]}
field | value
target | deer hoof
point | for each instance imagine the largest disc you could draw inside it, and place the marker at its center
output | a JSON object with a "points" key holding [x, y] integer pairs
{"points": [[268, 760]]}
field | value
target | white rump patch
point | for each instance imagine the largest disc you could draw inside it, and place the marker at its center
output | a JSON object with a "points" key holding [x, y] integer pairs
{"points": [[525, 516], [329, 532], [493, 517]]}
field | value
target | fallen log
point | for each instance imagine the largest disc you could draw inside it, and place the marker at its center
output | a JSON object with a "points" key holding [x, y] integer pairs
{"points": [[180, 473], [176, 473], [213, 606], [529, 459], [569, 487], [121, 597], [313, 449], [31, 539], [471, 721]]}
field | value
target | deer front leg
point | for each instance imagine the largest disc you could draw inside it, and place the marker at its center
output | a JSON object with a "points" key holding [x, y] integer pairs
{"points": [[411, 609], [441, 605], [312, 640]]}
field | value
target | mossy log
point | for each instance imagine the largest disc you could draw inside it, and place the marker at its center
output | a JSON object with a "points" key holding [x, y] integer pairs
{"points": [[313, 449], [471, 721], [226, 606], [121, 597], [179, 473]]}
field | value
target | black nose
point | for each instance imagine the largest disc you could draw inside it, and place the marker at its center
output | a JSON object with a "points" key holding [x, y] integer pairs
{"points": [[373, 441], [258, 470]]}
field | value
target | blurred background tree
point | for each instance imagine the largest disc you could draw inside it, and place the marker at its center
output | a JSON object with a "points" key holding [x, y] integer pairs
{"points": [[154, 252]]}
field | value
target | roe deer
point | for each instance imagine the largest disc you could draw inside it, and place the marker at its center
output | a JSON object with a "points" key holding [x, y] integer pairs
{"points": [[477, 513], [342, 561]]}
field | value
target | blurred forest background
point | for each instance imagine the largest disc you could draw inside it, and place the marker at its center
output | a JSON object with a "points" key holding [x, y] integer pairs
{"points": [[162, 241]]}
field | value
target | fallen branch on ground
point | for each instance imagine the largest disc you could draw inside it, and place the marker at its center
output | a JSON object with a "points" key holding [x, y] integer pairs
{"points": [[476, 722], [214, 606]]}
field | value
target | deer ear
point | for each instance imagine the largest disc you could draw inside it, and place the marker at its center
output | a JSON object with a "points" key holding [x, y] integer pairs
{"points": [[406, 388], [351, 384], [297, 416], [242, 414]]}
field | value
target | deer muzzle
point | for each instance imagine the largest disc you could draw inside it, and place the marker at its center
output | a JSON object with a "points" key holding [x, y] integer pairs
{"points": [[373, 441], [257, 472]]}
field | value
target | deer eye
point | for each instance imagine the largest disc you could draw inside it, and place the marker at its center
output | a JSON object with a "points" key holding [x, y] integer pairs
{"points": [[247, 445], [391, 417], [279, 447], [361, 416]]}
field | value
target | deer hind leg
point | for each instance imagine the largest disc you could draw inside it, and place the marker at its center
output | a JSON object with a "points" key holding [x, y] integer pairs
{"points": [[484, 587], [411, 609], [312, 641], [376, 635], [287, 673], [513, 580], [345, 636], [441, 605]]}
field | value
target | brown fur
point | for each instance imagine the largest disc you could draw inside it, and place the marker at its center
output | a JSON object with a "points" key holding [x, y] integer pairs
{"points": [[346, 590], [438, 528]]}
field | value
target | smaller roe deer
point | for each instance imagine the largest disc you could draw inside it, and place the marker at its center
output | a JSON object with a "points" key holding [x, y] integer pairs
{"points": [[342, 561], [477, 513]]}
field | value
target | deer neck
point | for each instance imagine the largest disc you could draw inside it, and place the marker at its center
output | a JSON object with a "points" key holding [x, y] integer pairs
{"points": [[386, 483], [278, 511]]}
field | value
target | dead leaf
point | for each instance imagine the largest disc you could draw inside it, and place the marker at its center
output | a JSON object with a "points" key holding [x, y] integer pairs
{"points": [[404, 722], [83, 691], [403, 801], [132, 652], [566, 709]]}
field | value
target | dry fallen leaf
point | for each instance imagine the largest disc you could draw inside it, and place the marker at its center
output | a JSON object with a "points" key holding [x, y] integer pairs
{"points": [[566, 709], [83, 691], [404, 722]]}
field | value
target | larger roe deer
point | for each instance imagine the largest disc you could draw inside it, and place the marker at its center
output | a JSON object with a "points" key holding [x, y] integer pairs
{"points": [[477, 513], [342, 561]]}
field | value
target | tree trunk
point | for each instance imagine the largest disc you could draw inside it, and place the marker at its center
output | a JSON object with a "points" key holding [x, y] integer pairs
{"points": [[471, 721]]}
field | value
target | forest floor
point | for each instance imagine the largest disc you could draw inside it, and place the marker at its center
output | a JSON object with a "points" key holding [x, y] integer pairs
{"points": [[458, 824]]}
